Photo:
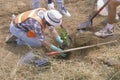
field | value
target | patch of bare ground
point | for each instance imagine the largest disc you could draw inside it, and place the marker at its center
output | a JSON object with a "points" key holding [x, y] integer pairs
{"points": [[97, 63]]}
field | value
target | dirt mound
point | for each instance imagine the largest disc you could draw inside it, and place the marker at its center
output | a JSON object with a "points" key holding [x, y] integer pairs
{"points": [[88, 38]]}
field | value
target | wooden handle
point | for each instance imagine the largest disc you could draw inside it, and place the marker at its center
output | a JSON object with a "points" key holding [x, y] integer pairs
{"points": [[80, 48], [99, 10]]}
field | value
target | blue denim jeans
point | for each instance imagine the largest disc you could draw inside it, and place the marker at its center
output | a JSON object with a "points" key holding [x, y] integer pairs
{"points": [[23, 39], [36, 3]]}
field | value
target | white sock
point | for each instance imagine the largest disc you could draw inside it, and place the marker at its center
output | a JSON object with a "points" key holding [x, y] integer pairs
{"points": [[109, 26]]}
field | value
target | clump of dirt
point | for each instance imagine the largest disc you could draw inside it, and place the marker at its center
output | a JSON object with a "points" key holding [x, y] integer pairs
{"points": [[88, 38], [82, 39]]}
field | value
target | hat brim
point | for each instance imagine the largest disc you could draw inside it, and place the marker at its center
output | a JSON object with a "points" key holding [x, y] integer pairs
{"points": [[50, 21]]}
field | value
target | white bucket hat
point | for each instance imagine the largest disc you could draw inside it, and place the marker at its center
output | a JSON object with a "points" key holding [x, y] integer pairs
{"points": [[53, 17]]}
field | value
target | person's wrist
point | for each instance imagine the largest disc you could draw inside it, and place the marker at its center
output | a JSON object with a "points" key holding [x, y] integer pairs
{"points": [[59, 40], [57, 49]]}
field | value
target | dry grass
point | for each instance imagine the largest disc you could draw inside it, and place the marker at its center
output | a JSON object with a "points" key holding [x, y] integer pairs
{"points": [[99, 63], [89, 67]]}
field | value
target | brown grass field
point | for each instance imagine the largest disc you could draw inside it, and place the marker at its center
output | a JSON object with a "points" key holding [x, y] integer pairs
{"points": [[98, 63]]}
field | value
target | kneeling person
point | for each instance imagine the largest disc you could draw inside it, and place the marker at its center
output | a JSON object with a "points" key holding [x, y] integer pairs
{"points": [[29, 27]]}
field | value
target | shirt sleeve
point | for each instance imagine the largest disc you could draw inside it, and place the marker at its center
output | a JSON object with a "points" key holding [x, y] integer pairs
{"points": [[38, 30]]}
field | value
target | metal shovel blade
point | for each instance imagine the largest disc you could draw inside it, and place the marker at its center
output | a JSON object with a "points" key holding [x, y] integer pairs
{"points": [[83, 26], [88, 23]]}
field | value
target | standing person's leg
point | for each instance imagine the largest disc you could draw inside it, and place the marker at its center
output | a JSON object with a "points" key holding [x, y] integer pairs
{"points": [[112, 10], [50, 4], [49, 1], [108, 30], [61, 8], [35, 4]]}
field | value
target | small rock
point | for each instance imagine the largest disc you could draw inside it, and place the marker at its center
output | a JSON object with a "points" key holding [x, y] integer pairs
{"points": [[110, 62]]}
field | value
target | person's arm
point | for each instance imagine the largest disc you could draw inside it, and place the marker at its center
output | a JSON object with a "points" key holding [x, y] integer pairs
{"points": [[53, 47], [41, 37], [56, 36]]}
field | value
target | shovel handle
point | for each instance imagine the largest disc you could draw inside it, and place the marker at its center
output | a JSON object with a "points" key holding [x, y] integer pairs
{"points": [[99, 10], [80, 48], [53, 53]]}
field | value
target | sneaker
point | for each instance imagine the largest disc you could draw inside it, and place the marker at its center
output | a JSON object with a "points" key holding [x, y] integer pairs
{"points": [[10, 38], [104, 33], [64, 11]]}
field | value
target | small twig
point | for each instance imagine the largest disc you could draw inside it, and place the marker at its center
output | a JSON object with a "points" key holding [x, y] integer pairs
{"points": [[114, 75]]}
